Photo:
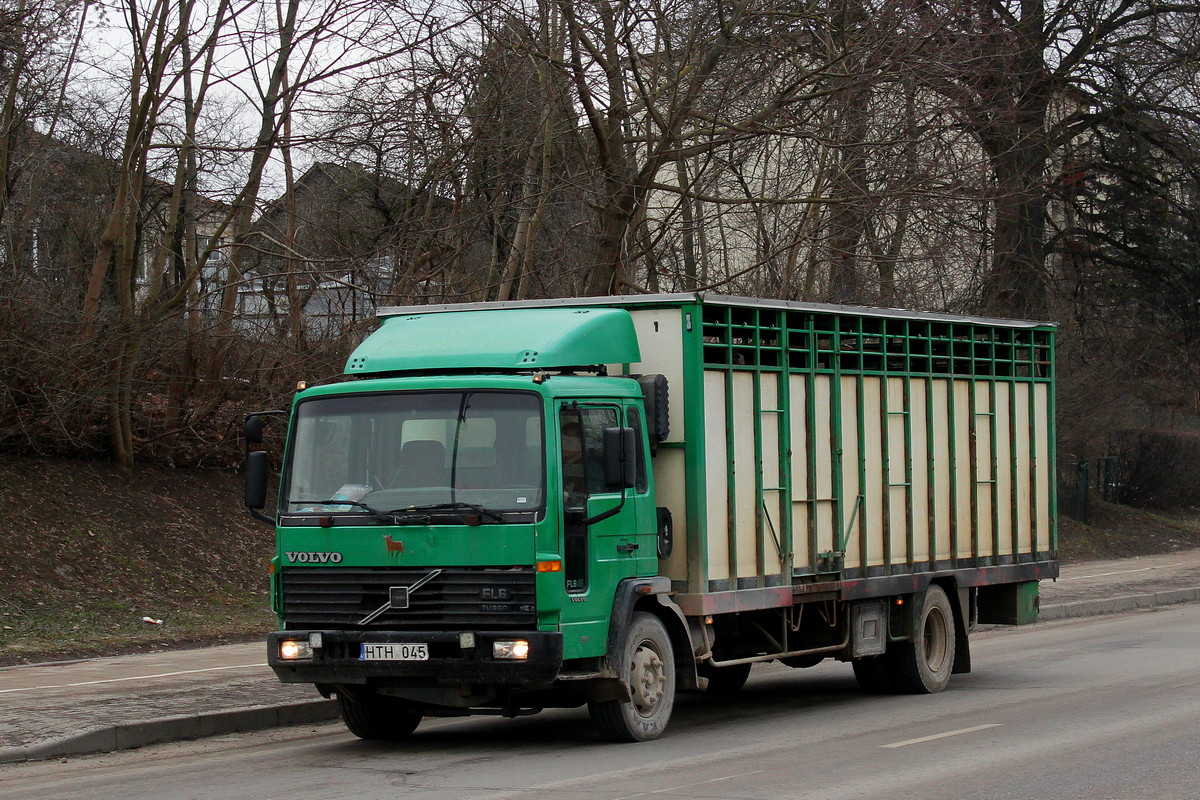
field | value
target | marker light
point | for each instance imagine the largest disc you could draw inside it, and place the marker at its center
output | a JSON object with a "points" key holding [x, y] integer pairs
{"points": [[515, 650], [549, 566], [291, 650]]}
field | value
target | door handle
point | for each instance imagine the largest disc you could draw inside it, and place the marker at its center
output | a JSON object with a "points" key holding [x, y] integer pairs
{"points": [[628, 547]]}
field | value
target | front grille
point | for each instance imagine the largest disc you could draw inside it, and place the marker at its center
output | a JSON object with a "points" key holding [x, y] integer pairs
{"points": [[471, 598]]}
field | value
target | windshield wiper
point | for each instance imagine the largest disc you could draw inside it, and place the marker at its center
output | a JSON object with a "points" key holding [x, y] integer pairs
{"points": [[452, 507], [387, 519]]}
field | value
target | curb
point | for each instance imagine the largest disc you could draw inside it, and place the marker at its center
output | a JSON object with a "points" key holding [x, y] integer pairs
{"points": [[173, 729], [1118, 604]]}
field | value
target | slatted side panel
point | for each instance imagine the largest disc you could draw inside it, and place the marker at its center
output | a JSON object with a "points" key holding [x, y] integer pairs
{"points": [[834, 442]]}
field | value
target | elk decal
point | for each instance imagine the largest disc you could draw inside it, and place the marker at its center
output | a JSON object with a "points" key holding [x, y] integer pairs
{"points": [[393, 547]]}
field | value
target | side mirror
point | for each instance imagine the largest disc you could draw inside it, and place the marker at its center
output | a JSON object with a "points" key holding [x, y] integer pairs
{"points": [[253, 430], [258, 469], [620, 460]]}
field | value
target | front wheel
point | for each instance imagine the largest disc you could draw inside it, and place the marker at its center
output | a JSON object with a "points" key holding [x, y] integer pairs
{"points": [[648, 669], [369, 715]]}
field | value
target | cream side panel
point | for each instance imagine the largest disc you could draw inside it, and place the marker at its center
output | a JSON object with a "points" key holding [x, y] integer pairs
{"points": [[798, 417], [660, 339], [896, 478], [771, 477], [1024, 488], [920, 469], [745, 468], [824, 447], [852, 513], [717, 527], [940, 517], [872, 509], [963, 488], [1042, 449], [985, 473], [1004, 458], [669, 491]]}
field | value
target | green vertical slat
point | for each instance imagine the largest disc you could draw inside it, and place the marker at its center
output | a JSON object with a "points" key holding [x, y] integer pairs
{"points": [[995, 462], [835, 402], [760, 533], [694, 450], [1014, 514], [931, 460], [885, 442], [861, 500], [952, 422], [1051, 434], [909, 533], [1033, 456], [972, 434], [730, 481], [783, 396], [810, 403]]}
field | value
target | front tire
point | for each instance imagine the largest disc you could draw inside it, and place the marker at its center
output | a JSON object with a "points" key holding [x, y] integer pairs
{"points": [[923, 666], [373, 716], [648, 669]]}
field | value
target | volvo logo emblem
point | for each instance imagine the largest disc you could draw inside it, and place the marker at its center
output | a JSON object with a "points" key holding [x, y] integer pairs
{"points": [[398, 597]]}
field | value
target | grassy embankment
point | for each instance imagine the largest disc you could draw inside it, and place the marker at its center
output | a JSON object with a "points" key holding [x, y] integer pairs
{"points": [[88, 552]]}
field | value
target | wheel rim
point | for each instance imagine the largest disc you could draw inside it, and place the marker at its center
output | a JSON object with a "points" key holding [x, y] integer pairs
{"points": [[935, 639], [648, 679]]}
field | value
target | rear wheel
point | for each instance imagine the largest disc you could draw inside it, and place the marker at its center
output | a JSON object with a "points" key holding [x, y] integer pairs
{"points": [[648, 669], [370, 715], [923, 666]]}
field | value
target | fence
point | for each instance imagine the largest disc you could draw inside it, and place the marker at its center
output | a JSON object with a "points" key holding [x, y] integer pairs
{"points": [[1075, 485]]}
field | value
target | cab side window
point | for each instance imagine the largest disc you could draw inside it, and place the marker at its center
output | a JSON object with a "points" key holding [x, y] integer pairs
{"points": [[635, 421], [582, 432]]}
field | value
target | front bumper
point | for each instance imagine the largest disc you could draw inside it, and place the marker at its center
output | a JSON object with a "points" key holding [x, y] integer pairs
{"points": [[337, 660]]}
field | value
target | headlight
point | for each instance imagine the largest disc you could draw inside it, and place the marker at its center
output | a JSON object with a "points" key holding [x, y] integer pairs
{"points": [[291, 650], [515, 650]]}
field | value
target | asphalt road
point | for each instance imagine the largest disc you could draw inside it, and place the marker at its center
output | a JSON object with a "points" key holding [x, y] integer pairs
{"points": [[1101, 708]]}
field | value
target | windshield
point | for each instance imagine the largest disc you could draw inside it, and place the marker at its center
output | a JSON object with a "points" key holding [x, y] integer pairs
{"points": [[403, 449]]}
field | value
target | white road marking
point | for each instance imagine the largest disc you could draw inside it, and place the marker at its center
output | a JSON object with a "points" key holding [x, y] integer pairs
{"points": [[959, 732], [131, 678], [1118, 572], [689, 785]]}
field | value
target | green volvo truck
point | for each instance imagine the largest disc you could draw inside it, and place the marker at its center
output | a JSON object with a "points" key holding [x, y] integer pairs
{"points": [[508, 507]]}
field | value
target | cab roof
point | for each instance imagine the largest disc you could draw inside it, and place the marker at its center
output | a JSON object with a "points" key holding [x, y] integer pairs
{"points": [[497, 339]]}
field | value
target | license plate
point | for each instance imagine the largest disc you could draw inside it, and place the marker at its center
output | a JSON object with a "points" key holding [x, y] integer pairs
{"points": [[384, 651]]}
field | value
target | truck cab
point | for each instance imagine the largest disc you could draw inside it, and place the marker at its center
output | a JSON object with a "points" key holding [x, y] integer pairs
{"points": [[455, 527]]}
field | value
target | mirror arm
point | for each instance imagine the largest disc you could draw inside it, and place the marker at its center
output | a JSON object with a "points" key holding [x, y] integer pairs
{"points": [[603, 515]]}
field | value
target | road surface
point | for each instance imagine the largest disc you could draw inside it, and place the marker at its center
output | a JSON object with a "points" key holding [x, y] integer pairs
{"points": [[1097, 708]]}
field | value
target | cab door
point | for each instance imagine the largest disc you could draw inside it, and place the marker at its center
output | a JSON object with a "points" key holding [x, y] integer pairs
{"points": [[596, 554]]}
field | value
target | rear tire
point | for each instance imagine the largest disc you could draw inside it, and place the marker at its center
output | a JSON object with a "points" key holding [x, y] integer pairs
{"points": [[923, 666], [648, 669], [370, 715]]}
